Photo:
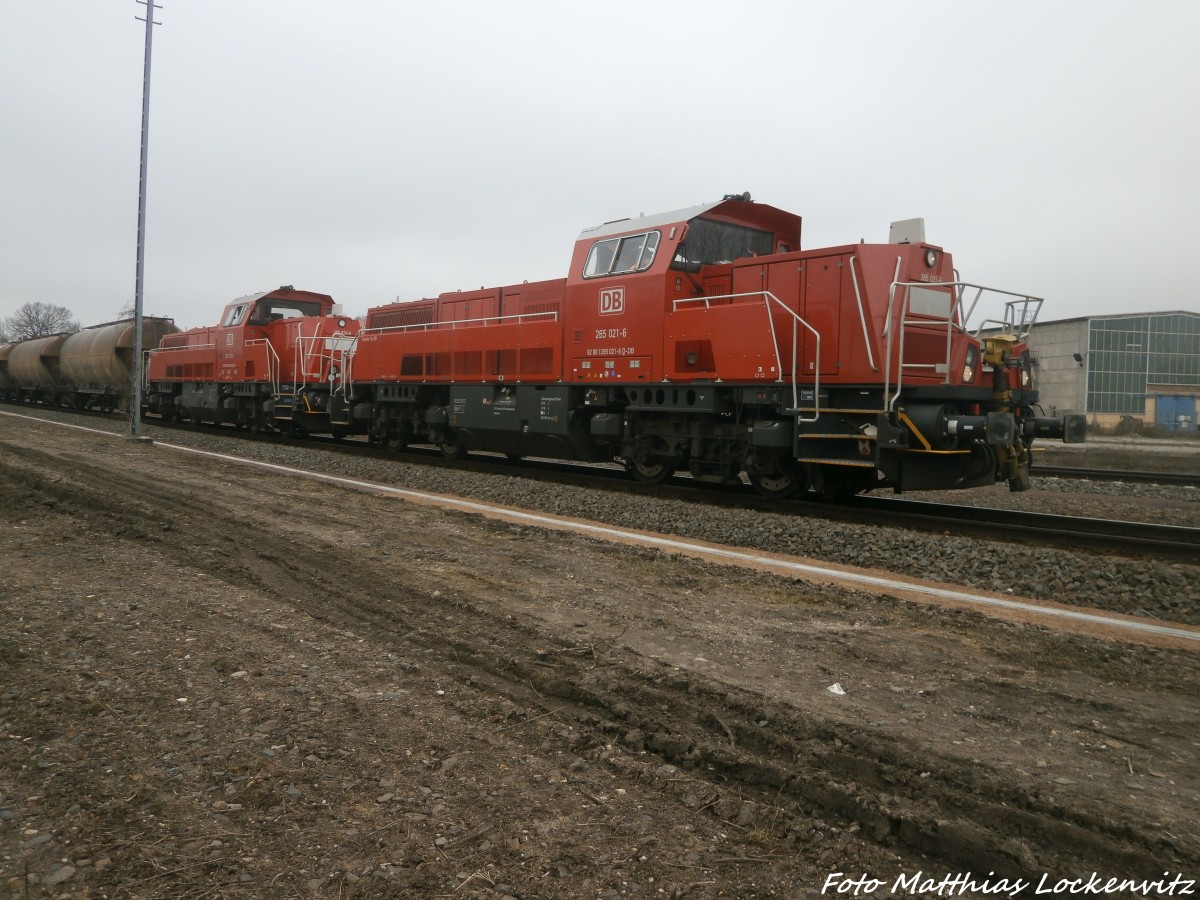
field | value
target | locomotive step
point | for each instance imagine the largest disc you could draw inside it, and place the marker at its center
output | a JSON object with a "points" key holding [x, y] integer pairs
{"points": [[838, 409], [839, 436], [853, 463]]}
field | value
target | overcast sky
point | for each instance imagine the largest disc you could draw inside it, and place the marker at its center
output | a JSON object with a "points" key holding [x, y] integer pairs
{"points": [[385, 148]]}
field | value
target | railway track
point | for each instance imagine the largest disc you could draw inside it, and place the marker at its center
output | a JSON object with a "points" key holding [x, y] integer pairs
{"points": [[1118, 567], [1119, 537], [1068, 532], [1182, 479]]}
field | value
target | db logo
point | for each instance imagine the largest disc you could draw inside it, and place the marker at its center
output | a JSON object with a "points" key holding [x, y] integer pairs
{"points": [[612, 301], [229, 339]]}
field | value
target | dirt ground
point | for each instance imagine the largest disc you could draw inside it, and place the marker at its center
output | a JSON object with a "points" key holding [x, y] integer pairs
{"points": [[218, 682]]}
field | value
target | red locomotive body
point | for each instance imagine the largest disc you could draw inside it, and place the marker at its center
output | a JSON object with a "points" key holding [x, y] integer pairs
{"points": [[270, 361], [703, 340]]}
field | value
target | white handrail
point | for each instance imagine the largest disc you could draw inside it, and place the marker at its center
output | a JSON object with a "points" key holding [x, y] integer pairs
{"points": [[862, 315], [347, 357], [455, 323], [184, 347], [272, 362], [955, 320]]}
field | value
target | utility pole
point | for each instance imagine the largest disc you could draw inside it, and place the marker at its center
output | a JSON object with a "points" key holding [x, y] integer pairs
{"points": [[135, 422]]}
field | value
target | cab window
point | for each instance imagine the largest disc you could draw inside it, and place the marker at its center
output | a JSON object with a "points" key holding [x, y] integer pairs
{"points": [[235, 314], [634, 253]]}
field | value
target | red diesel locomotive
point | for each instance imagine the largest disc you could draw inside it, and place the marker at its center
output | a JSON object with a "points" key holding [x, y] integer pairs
{"points": [[702, 340]]}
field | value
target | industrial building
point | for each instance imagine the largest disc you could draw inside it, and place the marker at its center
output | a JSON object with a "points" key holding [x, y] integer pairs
{"points": [[1131, 371]]}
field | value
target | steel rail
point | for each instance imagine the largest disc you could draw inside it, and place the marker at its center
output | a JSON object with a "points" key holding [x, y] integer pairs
{"points": [[1185, 479], [1116, 536], [1107, 536]]}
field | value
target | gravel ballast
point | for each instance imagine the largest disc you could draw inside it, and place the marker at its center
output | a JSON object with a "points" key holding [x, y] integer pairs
{"points": [[1150, 588]]}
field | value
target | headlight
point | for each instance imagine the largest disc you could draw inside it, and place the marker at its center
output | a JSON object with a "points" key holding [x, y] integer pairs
{"points": [[1024, 378], [972, 359], [931, 258], [968, 373]]}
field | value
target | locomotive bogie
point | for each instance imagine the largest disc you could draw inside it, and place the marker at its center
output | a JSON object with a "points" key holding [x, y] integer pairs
{"points": [[245, 405]]}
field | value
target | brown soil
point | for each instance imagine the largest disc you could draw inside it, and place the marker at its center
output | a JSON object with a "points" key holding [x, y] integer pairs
{"points": [[219, 682]]}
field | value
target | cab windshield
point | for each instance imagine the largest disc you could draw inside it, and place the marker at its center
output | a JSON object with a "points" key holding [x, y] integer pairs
{"points": [[270, 310], [710, 242]]}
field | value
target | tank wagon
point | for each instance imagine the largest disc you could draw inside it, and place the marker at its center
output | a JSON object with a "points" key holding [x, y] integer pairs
{"points": [[6, 348], [32, 369], [86, 369], [703, 340]]}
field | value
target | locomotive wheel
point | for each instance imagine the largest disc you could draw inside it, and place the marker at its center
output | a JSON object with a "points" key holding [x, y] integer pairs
{"points": [[452, 449], [399, 437], [776, 479], [654, 470]]}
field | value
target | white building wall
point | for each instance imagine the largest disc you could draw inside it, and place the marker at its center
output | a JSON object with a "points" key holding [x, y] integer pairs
{"points": [[1061, 381]]}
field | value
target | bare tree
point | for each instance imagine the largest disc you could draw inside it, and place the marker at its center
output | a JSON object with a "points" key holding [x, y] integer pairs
{"points": [[34, 320], [128, 310]]}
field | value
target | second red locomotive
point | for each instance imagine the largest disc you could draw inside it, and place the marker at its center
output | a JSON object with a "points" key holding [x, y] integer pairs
{"points": [[703, 340]]}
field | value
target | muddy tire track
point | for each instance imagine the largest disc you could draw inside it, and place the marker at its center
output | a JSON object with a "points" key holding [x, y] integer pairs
{"points": [[729, 747]]}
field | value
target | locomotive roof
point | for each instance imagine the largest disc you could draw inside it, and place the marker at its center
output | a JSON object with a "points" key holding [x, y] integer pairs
{"points": [[249, 298], [285, 289], [784, 223], [620, 226]]}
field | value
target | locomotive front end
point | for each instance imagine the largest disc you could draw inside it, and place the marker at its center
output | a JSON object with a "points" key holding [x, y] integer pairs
{"points": [[983, 417]]}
